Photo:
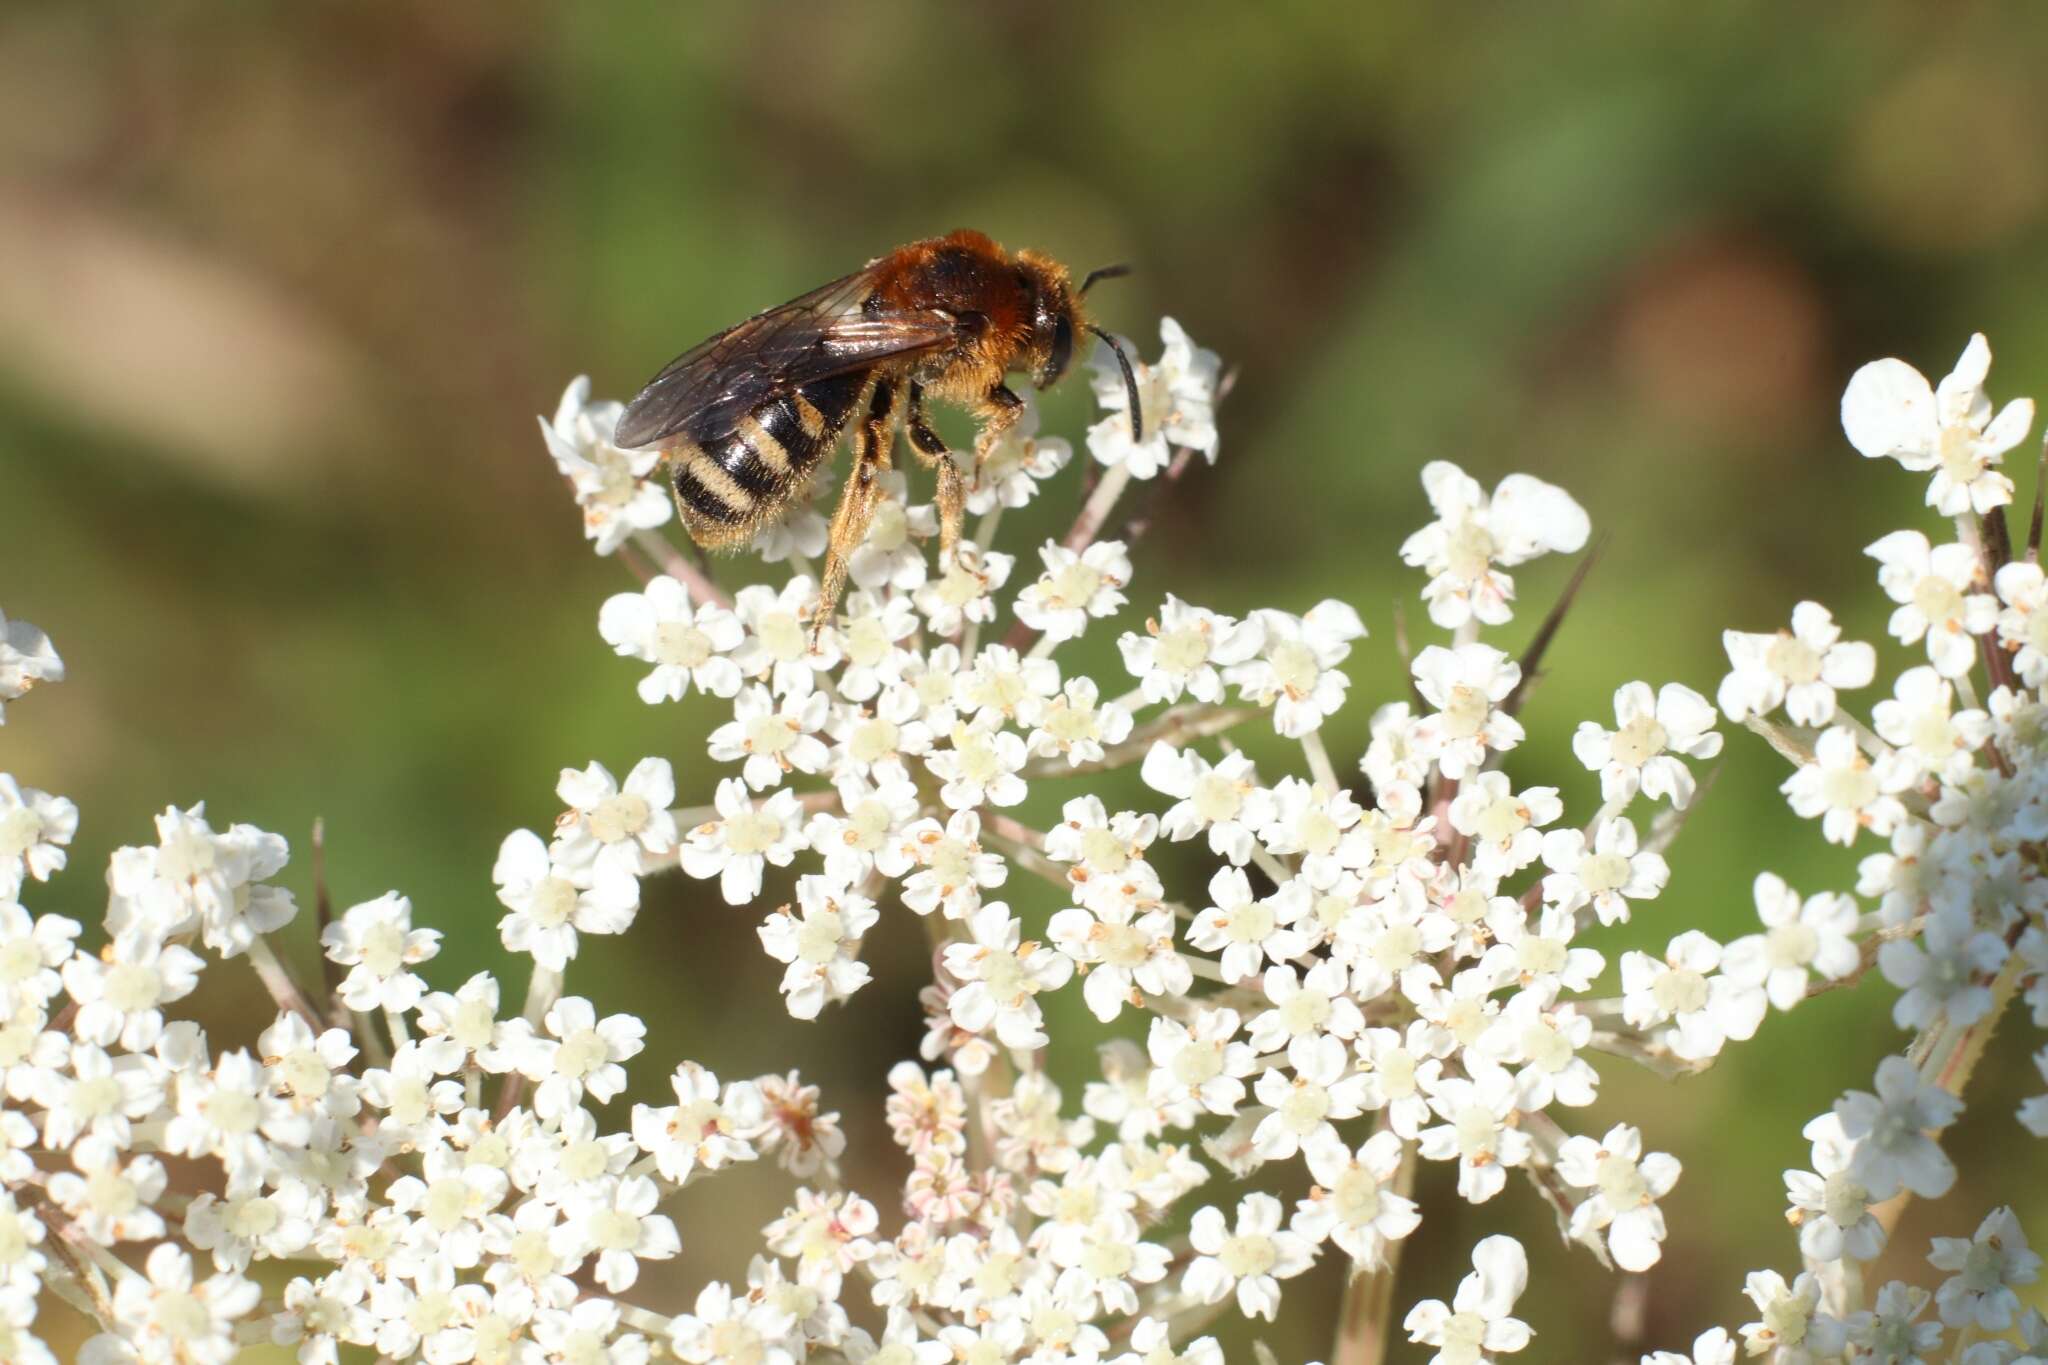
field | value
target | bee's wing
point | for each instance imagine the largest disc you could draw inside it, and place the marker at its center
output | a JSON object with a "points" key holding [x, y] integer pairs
{"points": [[707, 389]]}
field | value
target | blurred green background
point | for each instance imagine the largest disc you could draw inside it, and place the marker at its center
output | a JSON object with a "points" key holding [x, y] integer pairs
{"points": [[284, 286]]}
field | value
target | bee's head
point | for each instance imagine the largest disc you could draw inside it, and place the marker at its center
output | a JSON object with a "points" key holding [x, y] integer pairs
{"points": [[1056, 320]]}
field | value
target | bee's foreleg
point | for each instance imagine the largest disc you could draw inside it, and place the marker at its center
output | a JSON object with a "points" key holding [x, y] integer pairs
{"points": [[873, 447], [999, 410], [952, 494]]}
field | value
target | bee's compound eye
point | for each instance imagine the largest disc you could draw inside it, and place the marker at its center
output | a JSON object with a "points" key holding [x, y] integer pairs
{"points": [[1061, 352]]}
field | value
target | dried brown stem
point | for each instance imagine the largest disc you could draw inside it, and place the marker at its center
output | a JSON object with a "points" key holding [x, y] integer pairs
{"points": [[1532, 658]]}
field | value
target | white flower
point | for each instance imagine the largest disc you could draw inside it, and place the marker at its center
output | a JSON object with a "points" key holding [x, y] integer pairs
{"points": [[1525, 518], [583, 1055], [1176, 400], [611, 485], [1919, 725], [621, 1226], [109, 1201], [822, 946], [121, 997], [1888, 410], [1626, 1186], [1505, 826], [252, 1224], [1076, 728], [780, 647], [877, 740], [1798, 937], [965, 590], [1182, 650], [1226, 800], [876, 633], [1309, 1105], [449, 1201], [827, 1235], [1830, 1207], [891, 555], [1249, 932], [2023, 624], [1792, 1329], [1478, 1323], [1607, 876], [1252, 1258], [586, 1333], [1539, 954], [737, 847], [1003, 686], [551, 904], [1199, 1067], [775, 738], [687, 646], [1543, 1038], [34, 828], [1108, 872], [310, 1069], [727, 1327], [169, 1317], [31, 952], [1305, 1006], [1949, 977], [194, 875], [21, 1264], [1932, 585], [379, 946], [1987, 1265], [413, 1102], [704, 1127], [233, 1113], [980, 767], [1889, 1333], [1650, 732], [1466, 684], [1476, 1131], [1001, 978], [1890, 1130], [1125, 955], [26, 658], [1015, 465], [1800, 668], [1074, 587], [1296, 668], [953, 869], [1711, 1347], [627, 828], [1351, 1202], [101, 1096], [1846, 790], [1704, 1011]]}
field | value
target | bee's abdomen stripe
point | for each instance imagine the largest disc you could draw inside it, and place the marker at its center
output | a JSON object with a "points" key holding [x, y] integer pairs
{"points": [[832, 399], [707, 489], [808, 418], [774, 454]]}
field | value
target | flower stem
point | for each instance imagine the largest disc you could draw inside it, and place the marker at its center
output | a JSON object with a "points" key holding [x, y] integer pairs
{"points": [[277, 979], [677, 565], [1365, 1319]]}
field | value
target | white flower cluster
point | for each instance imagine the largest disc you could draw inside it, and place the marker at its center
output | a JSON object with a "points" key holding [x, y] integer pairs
{"points": [[1390, 967]]}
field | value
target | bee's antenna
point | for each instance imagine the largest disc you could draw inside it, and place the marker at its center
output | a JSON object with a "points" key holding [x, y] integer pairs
{"points": [[1107, 272], [1123, 363]]}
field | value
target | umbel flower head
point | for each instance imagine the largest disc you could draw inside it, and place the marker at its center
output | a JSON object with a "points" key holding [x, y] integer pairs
{"points": [[1358, 977]]}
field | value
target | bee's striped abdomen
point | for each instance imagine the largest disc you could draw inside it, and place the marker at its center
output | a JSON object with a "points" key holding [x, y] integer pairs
{"points": [[731, 482]]}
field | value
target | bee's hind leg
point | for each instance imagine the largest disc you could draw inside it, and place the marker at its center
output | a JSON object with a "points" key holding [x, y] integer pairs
{"points": [[952, 495], [873, 443]]}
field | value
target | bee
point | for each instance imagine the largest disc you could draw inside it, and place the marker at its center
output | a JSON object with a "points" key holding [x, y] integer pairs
{"points": [[746, 417]]}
